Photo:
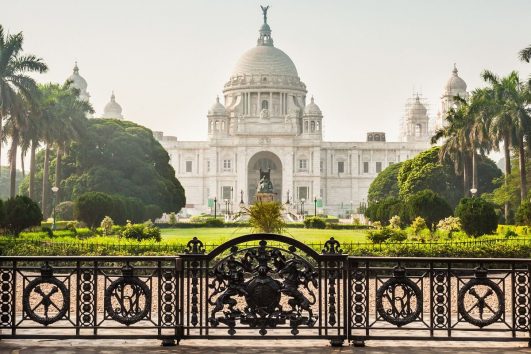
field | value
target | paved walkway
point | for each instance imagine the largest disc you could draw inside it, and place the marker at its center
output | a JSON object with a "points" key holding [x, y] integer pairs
{"points": [[252, 347]]}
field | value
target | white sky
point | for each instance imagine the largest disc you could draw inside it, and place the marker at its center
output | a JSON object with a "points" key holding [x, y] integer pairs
{"points": [[167, 60]]}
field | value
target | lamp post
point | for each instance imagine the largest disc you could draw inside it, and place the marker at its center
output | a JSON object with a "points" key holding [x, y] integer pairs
{"points": [[302, 207], [54, 190], [241, 197], [215, 207], [287, 197], [473, 191], [314, 206], [226, 206]]}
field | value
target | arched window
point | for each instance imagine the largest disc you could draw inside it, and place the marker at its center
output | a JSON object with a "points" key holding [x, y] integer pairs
{"points": [[306, 126], [217, 125], [211, 127], [317, 126], [222, 126], [376, 137], [312, 126], [265, 104]]}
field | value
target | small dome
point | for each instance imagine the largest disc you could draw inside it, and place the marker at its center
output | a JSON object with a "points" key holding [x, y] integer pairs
{"points": [[312, 109], [217, 109], [455, 84], [417, 109], [112, 109], [77, 80]]}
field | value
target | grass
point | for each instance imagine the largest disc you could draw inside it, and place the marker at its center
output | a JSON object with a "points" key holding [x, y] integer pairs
{"points": [[209, 235]]}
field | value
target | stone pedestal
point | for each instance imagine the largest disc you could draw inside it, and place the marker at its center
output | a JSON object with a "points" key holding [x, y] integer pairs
{"points": [[265, 197]]}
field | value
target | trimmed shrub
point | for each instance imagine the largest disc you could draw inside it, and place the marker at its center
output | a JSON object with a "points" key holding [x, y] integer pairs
{"points": [[20, 213], [92, 207], [386, 234], [211, 222], [428, 205], [139, 232], [477, 216], [65, 210], [107, 226], [418, 225], [395, 222], [314, 222]]}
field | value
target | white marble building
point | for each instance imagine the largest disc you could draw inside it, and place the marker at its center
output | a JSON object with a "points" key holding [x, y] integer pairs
{"points": [[267, 121]]}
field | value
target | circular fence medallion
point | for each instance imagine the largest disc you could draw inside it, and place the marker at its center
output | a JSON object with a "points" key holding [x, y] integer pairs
{"points": [[127, 300], [399, 301], [478, 297], [45, 300]]}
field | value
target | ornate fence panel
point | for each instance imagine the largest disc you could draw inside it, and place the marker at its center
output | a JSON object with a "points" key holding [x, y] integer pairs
{"points": [[439, 298], [265, 286], [90, 297], [277, 287]]}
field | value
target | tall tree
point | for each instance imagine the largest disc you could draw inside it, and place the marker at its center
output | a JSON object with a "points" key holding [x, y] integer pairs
{"points": [[16, 86], [510, 119]]}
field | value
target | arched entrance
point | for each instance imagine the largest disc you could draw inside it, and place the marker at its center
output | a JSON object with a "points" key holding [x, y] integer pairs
{"points": [[264, 160]]}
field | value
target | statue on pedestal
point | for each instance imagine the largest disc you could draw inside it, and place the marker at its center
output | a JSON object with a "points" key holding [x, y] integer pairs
{"points": [[264, 191]]}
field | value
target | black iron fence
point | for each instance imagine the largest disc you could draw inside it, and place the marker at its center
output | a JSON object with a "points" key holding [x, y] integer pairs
{"points": [[265, 286]]}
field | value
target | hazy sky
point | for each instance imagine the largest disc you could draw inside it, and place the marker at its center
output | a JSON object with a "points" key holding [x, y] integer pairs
{"points": [[167, 60]]}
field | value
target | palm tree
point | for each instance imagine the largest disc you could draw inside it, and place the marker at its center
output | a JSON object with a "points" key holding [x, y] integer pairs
{"points": [[456, 145], [15, 88], [71, 125], [525, 54], [62, 119], [510, 119]]}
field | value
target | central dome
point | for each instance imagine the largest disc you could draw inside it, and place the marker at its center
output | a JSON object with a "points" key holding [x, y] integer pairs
{"points": [[265, 60]]}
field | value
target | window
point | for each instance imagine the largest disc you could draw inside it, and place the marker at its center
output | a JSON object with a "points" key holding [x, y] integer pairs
{"points": [[365, 167], [312, 126], [303, 164], [302, 192], [227, 164], [378, 167], [321, 165], [265, 104], [418, 130], [316, 126], [188, 166], [340, 167], [306, 126], [208, 165], [226, 192], [390, 163]]}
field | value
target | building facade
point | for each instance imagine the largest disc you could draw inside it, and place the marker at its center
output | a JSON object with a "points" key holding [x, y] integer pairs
{"points": [[268, 122]]}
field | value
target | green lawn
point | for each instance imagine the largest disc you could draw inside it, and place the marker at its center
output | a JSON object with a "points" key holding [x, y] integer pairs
{"points": [[217, 236]]}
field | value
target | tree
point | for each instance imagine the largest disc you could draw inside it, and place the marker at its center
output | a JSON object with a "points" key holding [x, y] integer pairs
{"points": [[425, 171], [92, 207], [477, 216], [265, 217], [429, 206], [510, 120], [385, 184], [20, 213], [118, 158], [525, 54], [383, 210], [523, 214], [16, 89]]}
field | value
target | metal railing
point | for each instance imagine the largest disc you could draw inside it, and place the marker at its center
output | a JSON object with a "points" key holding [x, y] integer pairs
{"points": [[265, 286]]}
